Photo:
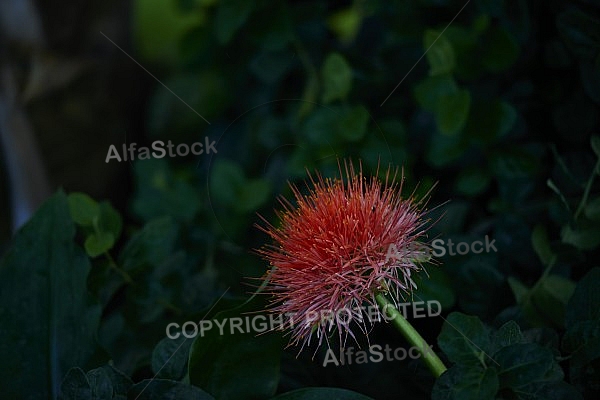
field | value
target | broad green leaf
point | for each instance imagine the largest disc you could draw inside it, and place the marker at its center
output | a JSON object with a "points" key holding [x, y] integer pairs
{"points": [[439, 52], [38, 338], [231, 16], [336, 74], [219, 364], [317, 393], [507, 334], [76, 386], [465, 339], [164, 389], [110, 220], [98, 243], [584, 304], [524, 367], [100, 383], [466, 383], [83, 208], [452, 112], [541, 245], [170, 357]]}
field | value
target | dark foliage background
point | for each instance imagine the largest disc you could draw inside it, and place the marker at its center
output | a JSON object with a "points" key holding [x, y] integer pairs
{"points": [[501, 113]]}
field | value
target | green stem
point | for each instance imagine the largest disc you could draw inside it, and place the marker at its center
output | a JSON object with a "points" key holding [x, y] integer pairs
{"points": [[435, 365], [588, 188]]}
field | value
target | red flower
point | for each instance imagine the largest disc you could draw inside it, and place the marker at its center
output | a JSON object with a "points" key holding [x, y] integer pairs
{"points": [[331, 252]]}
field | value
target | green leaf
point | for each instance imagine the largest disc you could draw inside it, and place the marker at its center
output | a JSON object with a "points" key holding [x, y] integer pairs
{"points": [[592, 209], [519, 289], [524, 367], [431, 89], [452, 112], [152, 245], [170, 357], [508, 334], [230, 375], [465, 339], [38, 338], [490, 120], [337, 78], [317, 393], [76, 386], [252, 195], [439, 52], [595, 141], [231, 16], [83, 208], [158, 27], [585, 238], [98, 243], [541, 245], [472, 182], [164, 389], [551, 297], [159, 192], [346, 23], [110, 220], [584, 304], [466, 383], [101, 383]]}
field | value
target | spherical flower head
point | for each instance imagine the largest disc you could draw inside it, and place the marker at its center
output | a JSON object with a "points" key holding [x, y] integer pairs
{"points": [[330, 255]]}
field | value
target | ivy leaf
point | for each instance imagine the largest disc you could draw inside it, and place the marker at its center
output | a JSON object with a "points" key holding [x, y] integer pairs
{"points": [[466, 383], [465, 339], [524, 367], [170, 357]]}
